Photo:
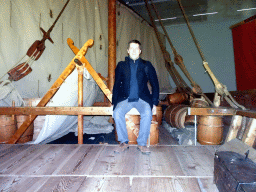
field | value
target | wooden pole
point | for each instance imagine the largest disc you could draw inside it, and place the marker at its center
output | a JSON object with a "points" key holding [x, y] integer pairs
{"points": [[80, 70], [69, 69], [13, 105], [111, 43]]}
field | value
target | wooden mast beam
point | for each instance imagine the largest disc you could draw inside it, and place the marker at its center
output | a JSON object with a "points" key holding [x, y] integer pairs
{"points": [[80, 120], [69, 69], [111, 43]]}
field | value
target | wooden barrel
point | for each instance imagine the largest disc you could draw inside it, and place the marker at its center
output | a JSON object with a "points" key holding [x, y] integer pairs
{"points": [[133, 127], [177, 98], [7, 127], [28, 134], [175, 115], [159, 115], [199, 102], [190, 120], [40, 119], [210, 130]]}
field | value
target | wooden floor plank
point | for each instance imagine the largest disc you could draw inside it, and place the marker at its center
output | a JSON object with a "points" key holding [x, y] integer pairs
{"points": [[4, 147], [195, 161], [130, 162], [44, 164], [98, 168], [21, 184], [207, 184], [53, 163], [165, 184], [105, 162], [102, 184], [11, 151], [68, 183], [23, 156], [142, 163], [82, 161], [164, 162]]}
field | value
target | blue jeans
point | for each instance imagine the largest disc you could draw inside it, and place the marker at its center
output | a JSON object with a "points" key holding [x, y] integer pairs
{"points": [[145, 120]]}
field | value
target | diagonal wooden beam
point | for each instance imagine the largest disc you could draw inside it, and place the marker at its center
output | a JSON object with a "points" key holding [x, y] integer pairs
{"points": [[93, 73], [69, 69]]}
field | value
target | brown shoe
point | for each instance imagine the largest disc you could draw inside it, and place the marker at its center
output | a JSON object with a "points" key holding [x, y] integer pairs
{"points": [[121, 148], [144, 150]]}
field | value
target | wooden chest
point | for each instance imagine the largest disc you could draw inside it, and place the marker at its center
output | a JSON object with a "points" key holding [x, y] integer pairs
{"points": [[234, 172]]}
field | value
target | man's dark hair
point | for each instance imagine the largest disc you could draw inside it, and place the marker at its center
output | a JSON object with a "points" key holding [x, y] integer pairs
{"points": [[134, 41]]}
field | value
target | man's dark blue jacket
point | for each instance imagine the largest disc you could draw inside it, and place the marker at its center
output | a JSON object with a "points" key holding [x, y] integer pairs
{"points": [[145, 72]]}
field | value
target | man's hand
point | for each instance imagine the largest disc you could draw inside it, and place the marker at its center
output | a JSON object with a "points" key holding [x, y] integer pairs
{"points": [[154, 110], [111, 107]]}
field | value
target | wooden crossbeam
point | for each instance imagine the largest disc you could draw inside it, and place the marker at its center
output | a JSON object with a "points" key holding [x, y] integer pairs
{"points": [[63, 111], [211, 111], [56, 111], [246, 113]]}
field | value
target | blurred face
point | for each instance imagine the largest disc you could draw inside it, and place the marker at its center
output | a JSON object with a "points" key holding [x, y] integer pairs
{"points": [[134, 51]]}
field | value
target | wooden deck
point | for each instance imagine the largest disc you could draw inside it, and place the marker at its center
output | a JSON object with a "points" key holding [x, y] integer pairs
{"points": [[62, 167]]}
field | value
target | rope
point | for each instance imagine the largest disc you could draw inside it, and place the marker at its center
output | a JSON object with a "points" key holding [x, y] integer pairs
{"points": [[191, 31], [13, 66], [165, 32], [29, 61], [169, 64], [178, 59]]}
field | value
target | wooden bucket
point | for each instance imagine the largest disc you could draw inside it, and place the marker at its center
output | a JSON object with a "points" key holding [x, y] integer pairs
{"points": [[177, 98], [175, 115], [198, 102], [7, 127], [159, 115], [210, 130], [28, 134], [133, 127]]}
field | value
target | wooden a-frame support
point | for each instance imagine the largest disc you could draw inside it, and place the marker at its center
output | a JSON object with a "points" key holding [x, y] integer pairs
{"points": [[69, 69]]}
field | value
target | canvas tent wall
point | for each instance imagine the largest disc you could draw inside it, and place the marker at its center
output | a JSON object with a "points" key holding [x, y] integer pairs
{"points": [[81, 20]]}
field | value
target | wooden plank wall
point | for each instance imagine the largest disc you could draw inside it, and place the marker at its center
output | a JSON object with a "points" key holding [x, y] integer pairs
{"points": [[98, 168]]}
